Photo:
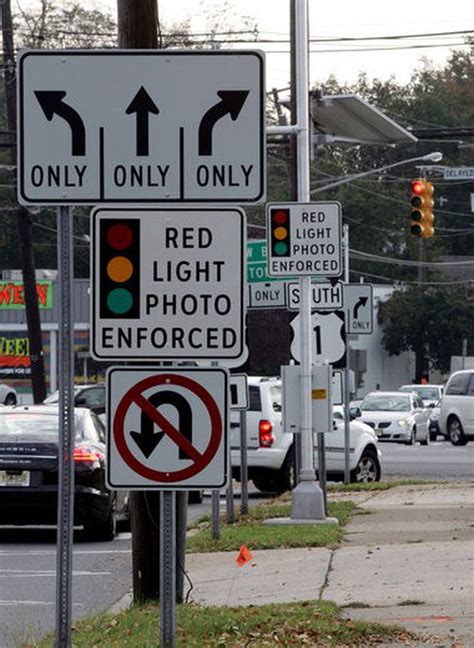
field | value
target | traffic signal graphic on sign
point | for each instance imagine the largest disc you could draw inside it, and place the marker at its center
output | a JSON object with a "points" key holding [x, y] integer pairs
{"points": [[120, 268], [280, 232], [422, 203]]}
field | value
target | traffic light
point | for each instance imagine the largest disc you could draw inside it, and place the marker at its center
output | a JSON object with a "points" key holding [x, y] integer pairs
{"points": [[120, 268], [280, 232], [422, 208]]}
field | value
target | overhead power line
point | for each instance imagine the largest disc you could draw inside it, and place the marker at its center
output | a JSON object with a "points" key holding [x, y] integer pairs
{"points": [[366, 256]]}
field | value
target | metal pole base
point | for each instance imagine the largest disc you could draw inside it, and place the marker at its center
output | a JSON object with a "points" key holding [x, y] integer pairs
{"points": [[308, 502]]}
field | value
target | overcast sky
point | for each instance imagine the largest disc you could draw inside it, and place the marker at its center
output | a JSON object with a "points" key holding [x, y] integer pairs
{"points": [[334, 19]]}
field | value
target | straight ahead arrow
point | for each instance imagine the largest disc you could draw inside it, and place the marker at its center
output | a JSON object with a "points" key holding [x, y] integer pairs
{"points": [[231, 104], [51, 102], [142, 104]]}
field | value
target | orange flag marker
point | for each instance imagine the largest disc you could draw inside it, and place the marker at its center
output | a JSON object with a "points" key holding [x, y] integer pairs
{"points": [[244, 556]]}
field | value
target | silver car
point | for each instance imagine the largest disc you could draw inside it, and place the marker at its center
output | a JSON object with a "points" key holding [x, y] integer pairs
{"points": [[7, 395], [395, 416]]}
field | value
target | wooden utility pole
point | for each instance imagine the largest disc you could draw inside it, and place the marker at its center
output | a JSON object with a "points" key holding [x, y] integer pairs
{"points": [[137, 24], [38, 382], [138, 29]]}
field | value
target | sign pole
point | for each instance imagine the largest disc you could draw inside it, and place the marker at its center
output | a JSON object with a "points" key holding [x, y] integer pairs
{"points": [[167, 568], [66, 432], [347, 439], [229, 500], [244, 492], [215, 509], [307, 502]]}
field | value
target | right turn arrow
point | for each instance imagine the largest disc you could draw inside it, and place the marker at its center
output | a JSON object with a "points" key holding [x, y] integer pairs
{"points": [[231, 104], [362, 302]]}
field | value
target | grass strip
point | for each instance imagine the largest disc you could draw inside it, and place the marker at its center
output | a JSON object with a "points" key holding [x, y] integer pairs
{"points": [[307, 623], [248, 529], [380, 486]]}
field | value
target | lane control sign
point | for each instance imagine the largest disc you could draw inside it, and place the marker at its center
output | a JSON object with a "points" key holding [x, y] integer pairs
{"points": [[168, 284], [304, 239], [167, 430], [141, 126]]}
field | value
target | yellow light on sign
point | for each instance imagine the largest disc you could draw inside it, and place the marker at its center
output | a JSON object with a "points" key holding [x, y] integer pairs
{"points": [[319, 394]]}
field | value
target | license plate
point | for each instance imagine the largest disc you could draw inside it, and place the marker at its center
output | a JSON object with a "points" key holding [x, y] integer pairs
{"points": [[14, 478]]}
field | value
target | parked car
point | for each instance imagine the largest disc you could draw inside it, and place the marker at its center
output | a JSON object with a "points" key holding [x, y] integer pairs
{"points": [[433, 422], [270, 450], [456, 419], [395, 416], [91, 396], [429, 394], [29, 471], [8, 395]]}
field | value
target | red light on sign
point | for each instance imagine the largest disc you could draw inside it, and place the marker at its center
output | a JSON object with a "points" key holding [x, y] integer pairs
{"points": [[119, 236]]}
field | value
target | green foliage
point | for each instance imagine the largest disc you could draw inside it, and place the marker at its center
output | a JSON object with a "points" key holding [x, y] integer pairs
{"points": [[430, 322], [249, 530], [302, 623]]}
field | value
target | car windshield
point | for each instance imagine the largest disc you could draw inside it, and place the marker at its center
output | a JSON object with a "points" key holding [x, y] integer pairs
{"points": [[425, 393], [54, 397], [30, 423], [386, 403]]}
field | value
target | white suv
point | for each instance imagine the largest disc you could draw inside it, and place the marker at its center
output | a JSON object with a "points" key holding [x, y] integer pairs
{"points": [[456, 418], [270, 451]]}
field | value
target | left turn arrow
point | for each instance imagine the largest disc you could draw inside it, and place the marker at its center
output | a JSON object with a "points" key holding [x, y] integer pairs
{"points": [[51, 102]]}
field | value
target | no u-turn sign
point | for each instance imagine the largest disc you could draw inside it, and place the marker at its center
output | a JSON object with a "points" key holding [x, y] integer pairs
{"points": [[167, 430]]}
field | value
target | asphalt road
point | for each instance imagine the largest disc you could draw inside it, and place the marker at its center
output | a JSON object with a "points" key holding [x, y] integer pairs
{"points": [[439, 460], [102, 571]]}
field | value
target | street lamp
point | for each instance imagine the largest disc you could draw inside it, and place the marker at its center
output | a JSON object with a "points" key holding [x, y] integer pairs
{"points": [[436, 156]]}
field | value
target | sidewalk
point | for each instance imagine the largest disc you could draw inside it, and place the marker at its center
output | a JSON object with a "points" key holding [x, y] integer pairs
{"points": [[407, 559]]}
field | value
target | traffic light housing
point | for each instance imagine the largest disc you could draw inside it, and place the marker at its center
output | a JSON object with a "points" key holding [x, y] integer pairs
{"points": [[422, 204], [280, 232], [120, 268]]}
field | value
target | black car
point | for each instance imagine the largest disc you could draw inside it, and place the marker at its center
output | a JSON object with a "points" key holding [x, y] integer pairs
{"points": [[29, 471], [91, 396]]}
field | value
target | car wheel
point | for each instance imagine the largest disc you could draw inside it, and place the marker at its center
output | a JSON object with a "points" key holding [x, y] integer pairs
{"points": [[368, 468], [265, 482], [411, 440], [195, 497], [102, 529], [456, 433], [10, 399]]}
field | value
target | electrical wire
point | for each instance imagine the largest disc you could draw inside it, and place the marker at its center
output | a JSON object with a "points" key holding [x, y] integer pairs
{"points": [[366, 256], [406, 281]]}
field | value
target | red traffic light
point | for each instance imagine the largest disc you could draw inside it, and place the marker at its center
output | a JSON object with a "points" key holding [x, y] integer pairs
{"points": [[417, 187]]}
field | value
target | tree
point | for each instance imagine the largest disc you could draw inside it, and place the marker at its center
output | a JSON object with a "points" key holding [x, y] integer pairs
{"points": [[430, 322]]}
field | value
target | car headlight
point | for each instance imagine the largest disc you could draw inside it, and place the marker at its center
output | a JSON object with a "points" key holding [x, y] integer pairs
{"points": [[403, 422]]}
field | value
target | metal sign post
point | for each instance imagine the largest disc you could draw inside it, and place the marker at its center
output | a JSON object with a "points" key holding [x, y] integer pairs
{"points": [[215, 511], [66, 432], [167, 569], [347, 434], [244, 492], [307, 502]]}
